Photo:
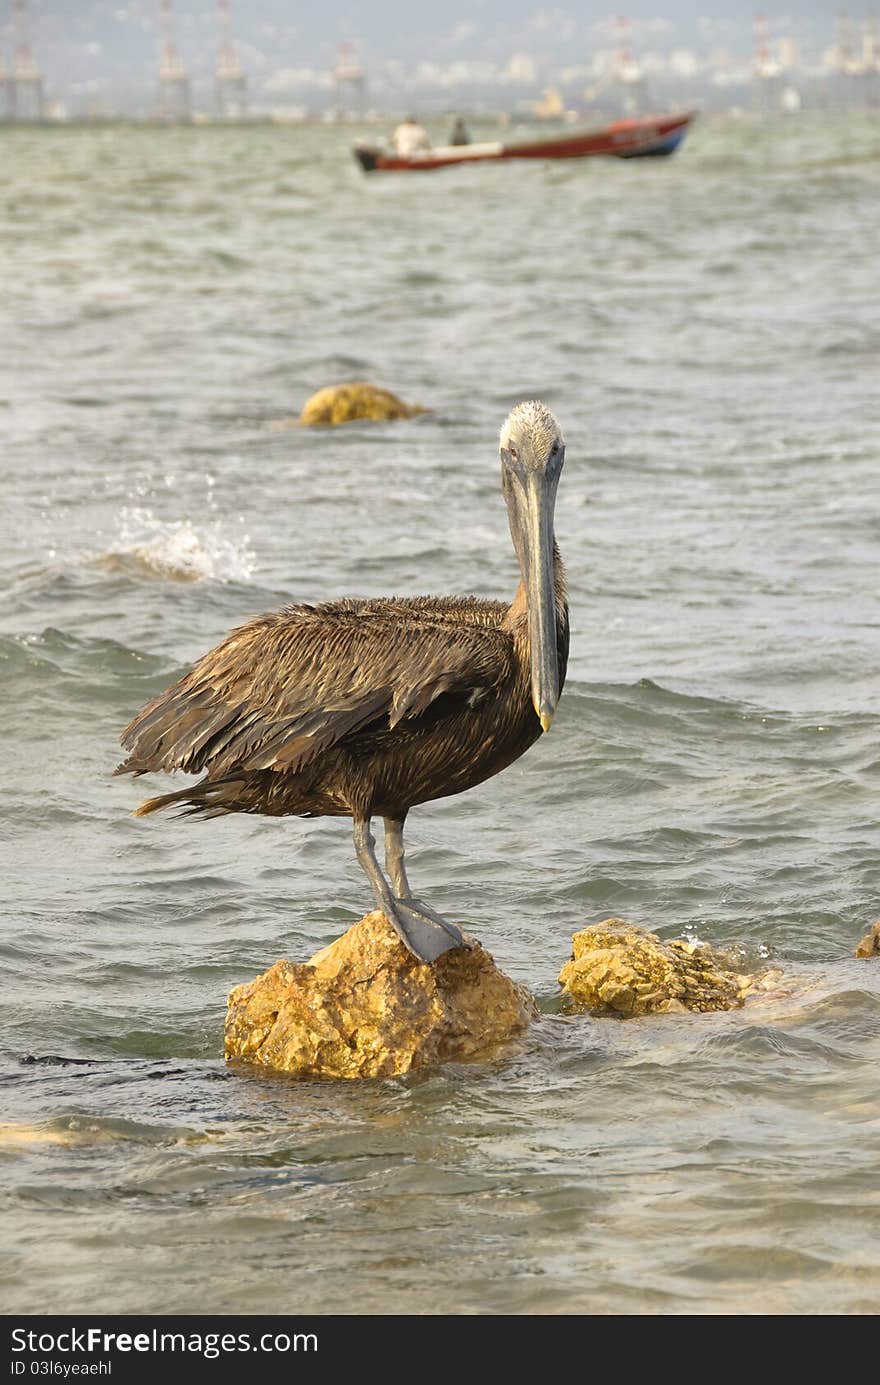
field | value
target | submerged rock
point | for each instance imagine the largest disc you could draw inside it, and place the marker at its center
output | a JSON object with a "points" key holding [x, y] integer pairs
{"points": [[20, 1134], [343, 403], [869, 945], [17, 1134], [620, 969], [364, 1007]]}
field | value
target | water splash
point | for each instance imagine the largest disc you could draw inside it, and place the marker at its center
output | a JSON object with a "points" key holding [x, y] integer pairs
{"points": [[180, 551]]}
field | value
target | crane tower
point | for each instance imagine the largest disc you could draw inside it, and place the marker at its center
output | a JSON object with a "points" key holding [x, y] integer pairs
{"points": [[231, 81], [173, 81], [27, 82], [349, 79]]}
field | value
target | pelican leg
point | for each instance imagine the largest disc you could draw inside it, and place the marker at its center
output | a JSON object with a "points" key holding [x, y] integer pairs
{"points": [[425, 937], [394, 864], [394, 858]]}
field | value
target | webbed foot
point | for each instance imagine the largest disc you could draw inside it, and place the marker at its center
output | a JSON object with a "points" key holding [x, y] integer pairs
{"points": [[425, 933]]}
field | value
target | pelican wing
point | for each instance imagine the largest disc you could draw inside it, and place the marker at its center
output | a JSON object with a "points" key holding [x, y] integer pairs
{"points": [[283, 688]]}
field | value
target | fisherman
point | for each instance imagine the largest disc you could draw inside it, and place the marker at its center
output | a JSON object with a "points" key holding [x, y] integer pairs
{"points": [[410, 138], [459, 132]]}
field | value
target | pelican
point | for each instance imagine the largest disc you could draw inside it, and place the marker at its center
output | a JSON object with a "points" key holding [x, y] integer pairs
{"points": [[363, 708]]}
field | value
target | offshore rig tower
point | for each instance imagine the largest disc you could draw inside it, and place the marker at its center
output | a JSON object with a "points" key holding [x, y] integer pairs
{"points": [[23, 91], [231, 83], [174, 106], [349, 81], [766, 71], [629, 80]]}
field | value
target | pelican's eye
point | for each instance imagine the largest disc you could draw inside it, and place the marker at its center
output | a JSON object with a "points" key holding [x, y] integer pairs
{"points": [[512, 451], [554, 458]]}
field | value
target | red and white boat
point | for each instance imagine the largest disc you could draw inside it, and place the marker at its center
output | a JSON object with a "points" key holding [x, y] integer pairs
{"points": [[636, 138]]}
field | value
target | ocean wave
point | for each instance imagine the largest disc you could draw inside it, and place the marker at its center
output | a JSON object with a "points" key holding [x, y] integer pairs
{"points": [[47, 671]]}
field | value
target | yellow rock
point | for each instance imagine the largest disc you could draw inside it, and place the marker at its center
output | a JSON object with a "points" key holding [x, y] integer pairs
{"points": [[13, 1134], [342, 403], [869, 946], [17, 1135], [617, 968], [364, 1007]]}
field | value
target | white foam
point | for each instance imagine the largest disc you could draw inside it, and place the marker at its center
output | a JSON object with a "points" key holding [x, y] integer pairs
{"points": [[181, 550]]}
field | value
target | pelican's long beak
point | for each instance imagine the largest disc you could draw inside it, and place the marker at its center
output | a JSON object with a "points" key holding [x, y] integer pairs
{"points": [[537, 502]]}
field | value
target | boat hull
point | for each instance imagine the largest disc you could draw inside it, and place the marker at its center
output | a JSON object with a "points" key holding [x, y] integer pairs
{"points": [[645, 137]]}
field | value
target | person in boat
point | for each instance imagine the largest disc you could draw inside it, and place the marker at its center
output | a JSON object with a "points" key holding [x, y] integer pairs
{"points": [[460, 133], [410, 138]]}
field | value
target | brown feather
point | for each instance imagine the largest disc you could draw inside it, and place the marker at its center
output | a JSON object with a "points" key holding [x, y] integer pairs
{"points": [[348, 707]]}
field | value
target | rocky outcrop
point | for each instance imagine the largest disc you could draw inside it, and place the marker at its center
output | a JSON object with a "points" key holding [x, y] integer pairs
{"points": [[869, 945], [619, 969], [365, 1007], [343, 403]]}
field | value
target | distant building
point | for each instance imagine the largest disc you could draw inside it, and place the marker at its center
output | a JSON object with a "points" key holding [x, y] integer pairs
{"points": [[551, 105], [855, 75]]}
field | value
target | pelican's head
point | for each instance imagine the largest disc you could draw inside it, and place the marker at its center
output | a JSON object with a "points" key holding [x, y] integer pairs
{"points": [[532, 452], [530, 435]]}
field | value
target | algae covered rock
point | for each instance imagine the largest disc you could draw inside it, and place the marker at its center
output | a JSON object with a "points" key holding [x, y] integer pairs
{"points": [[869, 945], [364, 1007], [620, 969], [343, 403]]}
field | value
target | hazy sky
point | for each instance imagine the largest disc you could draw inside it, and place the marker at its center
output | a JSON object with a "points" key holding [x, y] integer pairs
{"points": [[108, 47]]}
